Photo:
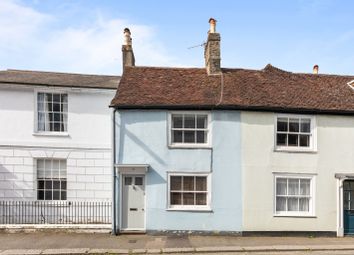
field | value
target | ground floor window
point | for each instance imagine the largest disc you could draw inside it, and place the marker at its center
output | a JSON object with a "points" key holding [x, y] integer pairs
{"points": [[51, 179], [294, 195], [189, 191]]}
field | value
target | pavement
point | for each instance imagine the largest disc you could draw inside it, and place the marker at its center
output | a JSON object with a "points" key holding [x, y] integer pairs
{"points": [[85, 243]]}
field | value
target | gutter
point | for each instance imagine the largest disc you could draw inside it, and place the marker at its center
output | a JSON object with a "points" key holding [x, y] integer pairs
{"points": [[237, 107]]}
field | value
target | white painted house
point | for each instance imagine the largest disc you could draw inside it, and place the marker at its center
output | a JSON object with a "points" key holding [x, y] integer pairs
{"points": [[55, 136]]}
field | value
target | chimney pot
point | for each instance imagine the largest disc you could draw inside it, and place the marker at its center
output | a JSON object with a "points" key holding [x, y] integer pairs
{"points": [[212, 23], [315, 69]]}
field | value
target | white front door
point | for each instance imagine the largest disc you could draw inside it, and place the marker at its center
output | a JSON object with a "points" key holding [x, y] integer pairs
{"points": [[133, 202]]}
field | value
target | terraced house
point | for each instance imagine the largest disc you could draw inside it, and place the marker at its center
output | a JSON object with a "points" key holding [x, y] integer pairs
{"points": [[55, 147], [235, 150]]}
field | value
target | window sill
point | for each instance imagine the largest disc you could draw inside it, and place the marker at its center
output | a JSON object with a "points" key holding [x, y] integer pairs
{"points": [[53, 134], [294, 150], [180, 209], [294, 216], [189, 146]]}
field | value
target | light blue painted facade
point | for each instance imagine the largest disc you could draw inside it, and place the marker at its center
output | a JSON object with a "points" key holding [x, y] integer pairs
{"points": [[142, 138]]}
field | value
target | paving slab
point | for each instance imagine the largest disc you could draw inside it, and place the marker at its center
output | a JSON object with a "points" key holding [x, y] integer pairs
{"points": [[109, 251], [21, 252], [65, 251], [178, 250]]}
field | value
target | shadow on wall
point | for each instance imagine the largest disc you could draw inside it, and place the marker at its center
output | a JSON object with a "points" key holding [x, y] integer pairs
{"points": [[12, 191], [154, 177], [123, 131]]}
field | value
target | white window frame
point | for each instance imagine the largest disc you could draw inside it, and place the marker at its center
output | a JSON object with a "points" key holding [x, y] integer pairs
{"points": [[189, 145], [37, 179], [206, 207], [313, 134], [312, 203], [49, 133]]}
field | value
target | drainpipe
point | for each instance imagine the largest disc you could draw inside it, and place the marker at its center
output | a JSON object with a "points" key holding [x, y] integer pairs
{"points": [[114, 195]]}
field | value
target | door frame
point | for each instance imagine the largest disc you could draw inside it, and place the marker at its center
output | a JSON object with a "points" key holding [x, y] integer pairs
{"points": [[340, 201], [130, 170]]}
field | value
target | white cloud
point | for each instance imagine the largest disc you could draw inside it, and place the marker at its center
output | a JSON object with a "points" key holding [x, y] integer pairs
{"points": [[31, 40]]}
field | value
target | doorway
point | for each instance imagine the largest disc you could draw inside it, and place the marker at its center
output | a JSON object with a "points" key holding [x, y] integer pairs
{"points": [[133, 202]]}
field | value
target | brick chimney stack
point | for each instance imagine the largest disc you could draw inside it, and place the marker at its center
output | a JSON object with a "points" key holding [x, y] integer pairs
{"points": [[127, 50], [212, 50]]}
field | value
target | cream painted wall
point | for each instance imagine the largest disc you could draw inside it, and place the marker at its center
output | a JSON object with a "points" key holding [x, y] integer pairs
{"points": [[335, 154]]}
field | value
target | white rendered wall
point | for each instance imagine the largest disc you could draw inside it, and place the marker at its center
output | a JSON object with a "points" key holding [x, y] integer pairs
{"points": [[89, 118], [87, 147], [335, 154]]}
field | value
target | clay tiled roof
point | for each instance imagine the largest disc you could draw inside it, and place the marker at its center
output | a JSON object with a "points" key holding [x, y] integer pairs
{"points": [[267, 89], [35, 78]]}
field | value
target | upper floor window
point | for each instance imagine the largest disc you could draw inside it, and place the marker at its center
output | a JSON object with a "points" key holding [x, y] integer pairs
{"points": [[52, 110], [295, 132], [189, 129]]}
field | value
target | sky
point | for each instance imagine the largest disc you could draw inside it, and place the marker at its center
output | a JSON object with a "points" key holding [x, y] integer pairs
{"points": [[85, 36]]}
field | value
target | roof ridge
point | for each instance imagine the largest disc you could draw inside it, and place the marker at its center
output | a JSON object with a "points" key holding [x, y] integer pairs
{"points": [[52, 72]]}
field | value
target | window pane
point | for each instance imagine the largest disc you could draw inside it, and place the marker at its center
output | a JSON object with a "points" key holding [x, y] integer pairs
{"points": [[306, 125], [293, 186], [176, 182], [189, 121], [56, 98], [48, 97], [201, 199], [40, 97], [188, 198], [64, 98], [293, 204], [176, 198], [293, 140], [293, 125], [201, 183], [56, 126], [282, 124], [188, 183], [201, 136], [128, 180], [305, 187], [56, 184], [138, 180], [189, 136], [63, 185], [63, 195], [40, 195], [57, 117], [48, 195], [304, 205], [281, 204], [40, 185], [177, 121], [40, 106], [64, 107], [56, 107], [202, 121], [176, 136], [281, 139], [281, 186], [48, 185], [304, 140], [56, 195]]}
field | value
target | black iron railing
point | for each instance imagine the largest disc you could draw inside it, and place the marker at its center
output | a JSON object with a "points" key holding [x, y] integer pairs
{"points": [[55, 212]]}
